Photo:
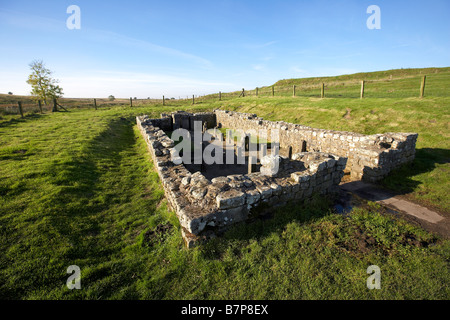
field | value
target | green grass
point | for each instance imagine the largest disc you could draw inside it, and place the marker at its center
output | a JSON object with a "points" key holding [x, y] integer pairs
{"points": [[79, 188], [399, 83]]}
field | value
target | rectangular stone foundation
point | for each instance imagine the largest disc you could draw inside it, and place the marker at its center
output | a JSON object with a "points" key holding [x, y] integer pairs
{"points": [[205, 207]]}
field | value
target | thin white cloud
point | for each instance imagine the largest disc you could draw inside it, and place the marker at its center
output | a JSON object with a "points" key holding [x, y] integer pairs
{"points": [[259, 46], [266, 58], [23, 20], [258, 67], [298, 70], [126, 84], [119, 39]]}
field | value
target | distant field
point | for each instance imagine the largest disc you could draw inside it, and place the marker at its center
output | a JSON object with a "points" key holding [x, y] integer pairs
{"points": [[79, 188], [399, 83], [9, 103]]}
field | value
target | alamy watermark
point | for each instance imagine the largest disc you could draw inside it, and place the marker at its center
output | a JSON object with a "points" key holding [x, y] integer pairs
{"points": [[374, 280], [374, 21], [74, 20], [74, 281]]}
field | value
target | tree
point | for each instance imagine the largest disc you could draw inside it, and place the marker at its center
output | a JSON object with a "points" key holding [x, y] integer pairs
{"points": [[43, 86], [10, 93], [111, 98]]}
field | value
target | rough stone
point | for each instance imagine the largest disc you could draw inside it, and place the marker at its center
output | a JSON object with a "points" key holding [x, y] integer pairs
{"points": [[318, 161]]}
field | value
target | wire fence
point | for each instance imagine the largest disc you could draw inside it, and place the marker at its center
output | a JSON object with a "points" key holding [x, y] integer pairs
{"points": [[435, 85], [432, 86]]}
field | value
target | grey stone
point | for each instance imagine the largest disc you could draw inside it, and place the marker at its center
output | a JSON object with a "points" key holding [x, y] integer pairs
{"points": [[230, 199]]}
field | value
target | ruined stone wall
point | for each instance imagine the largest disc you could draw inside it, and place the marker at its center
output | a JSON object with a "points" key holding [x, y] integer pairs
{"points": [[370, 157], [185, 120], [204, 206]]}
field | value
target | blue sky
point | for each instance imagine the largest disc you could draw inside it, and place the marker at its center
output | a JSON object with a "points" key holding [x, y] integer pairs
{"points": [[180, 48]]}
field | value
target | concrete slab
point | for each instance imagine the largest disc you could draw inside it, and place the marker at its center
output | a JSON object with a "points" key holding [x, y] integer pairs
{"points": [[372, 193]]}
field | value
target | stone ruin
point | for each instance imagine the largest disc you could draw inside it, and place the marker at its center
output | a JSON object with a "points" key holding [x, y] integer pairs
{"points": [[209, 198]]}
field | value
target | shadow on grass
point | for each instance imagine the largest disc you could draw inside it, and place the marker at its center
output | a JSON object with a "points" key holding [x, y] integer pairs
{"points": [[400, 180], [82, 196], [273, 221], [72, 222], [13, 121]]}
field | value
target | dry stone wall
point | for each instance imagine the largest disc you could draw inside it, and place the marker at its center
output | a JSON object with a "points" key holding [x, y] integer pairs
{"points": [[370, 157], [317, 164], [205, 207]]}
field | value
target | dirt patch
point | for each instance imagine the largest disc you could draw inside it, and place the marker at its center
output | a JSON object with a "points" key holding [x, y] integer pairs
{"points": [[360, 243], [347, 115], [20, 151], [411, 239], [157, 235]]}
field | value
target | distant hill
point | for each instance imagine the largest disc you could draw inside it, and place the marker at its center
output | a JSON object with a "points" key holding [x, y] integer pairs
{"points": [[393, 74]]}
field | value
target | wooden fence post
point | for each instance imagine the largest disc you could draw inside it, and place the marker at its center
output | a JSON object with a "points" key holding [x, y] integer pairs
{"points": [[422, 87], [362, 89], [243, 92], [220, 96], [293, 90], [40, 105], [322, 90], [131, 102], [164, 101], [95, 104], [256, 91], [20, 109], [273, 91], [193, 99]]}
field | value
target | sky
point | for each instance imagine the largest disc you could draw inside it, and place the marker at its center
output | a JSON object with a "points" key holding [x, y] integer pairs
{"points": [[183, 48]]}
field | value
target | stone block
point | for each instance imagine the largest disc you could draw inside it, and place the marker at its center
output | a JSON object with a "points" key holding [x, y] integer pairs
{"points": [[265, 191], [230, 199], [252, 196]]}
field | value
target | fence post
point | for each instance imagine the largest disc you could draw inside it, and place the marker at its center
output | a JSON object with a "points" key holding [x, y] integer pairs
{"points": [[220, 96], [164, 101], [40, 105], [362, 89], [422, 87], [55, 106], [293, 90], [256, 91], [243, 92], [193, 99], [20, 109], [322, 90], [95, 104], [131, 102], [273, 91]]}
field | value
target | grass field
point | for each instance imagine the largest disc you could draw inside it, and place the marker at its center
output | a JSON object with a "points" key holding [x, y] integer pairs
{"points": [[79, 188]]}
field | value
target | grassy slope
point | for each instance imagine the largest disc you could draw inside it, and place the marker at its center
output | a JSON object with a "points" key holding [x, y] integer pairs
{"points": [[404, 83], [79, 188]]}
